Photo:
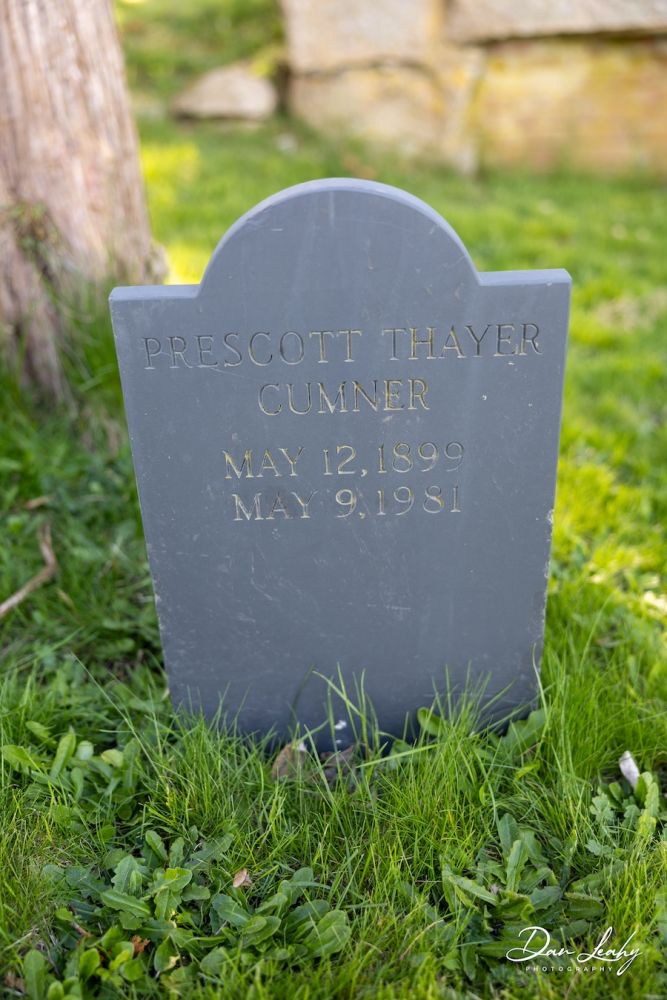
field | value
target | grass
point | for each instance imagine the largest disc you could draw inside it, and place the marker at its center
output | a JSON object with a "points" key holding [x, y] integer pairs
{"points": [[166, 42], [409, 847]]}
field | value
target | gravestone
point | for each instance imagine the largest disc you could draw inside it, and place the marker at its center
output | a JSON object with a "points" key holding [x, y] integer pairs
{"points": [[345, 442]]}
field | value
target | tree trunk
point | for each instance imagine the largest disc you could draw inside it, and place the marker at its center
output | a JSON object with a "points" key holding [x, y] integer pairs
{"points": [[72, 205]]}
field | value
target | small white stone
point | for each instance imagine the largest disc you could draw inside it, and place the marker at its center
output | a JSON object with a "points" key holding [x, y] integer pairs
{"points": [[629, 768]]}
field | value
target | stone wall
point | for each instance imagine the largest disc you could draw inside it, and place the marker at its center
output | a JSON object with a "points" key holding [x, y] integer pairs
{"points": [[541, 83], [491, 20]]}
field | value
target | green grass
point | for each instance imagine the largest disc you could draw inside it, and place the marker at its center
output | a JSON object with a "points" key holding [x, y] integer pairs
{"points": [[167, 42], [388, 844]]}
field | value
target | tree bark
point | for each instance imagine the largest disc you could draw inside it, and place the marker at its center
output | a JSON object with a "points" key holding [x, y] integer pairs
{"points": [[72, 204]]}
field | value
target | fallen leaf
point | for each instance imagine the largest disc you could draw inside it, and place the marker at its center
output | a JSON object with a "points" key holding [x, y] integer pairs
{"points": [[37, 502], [140, 944], [339, 762], [289, 762], [242, 879], [14, 982]]}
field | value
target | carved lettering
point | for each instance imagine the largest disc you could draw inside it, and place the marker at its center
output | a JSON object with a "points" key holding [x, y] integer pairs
{"points": [[348, 334], [410, 343], [344, 397], [478, 340], [151, 352], [244, 470], [226, 340], [413, 462], [394, 340], [205, 350], [417, 341], [359, 391], [278, 507], [263, 402], [292, 460], [392, 394], [452, 344], [249, 513], [297, 345], [288, 506], [338, 403], [525, 339], [418, 389], [304, 504], [504, 338], [251, 349], [178, 352], [290, 399], [322, 334], [268, 465]]}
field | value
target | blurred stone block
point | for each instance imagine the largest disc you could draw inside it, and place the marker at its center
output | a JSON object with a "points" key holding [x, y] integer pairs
{"points": [[465, 82], [488, 20], [586, 104], [234, 91], [416, 110], [398, 105], [327, 35]]}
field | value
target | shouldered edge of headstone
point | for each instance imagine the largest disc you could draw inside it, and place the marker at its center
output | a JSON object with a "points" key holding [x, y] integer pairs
{"points": [[470, 601]]}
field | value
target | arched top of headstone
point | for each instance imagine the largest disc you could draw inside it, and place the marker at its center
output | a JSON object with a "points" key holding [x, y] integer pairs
{"points": [[343, 223]]}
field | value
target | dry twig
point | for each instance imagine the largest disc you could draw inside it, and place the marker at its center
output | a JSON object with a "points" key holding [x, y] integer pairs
{"points": [[37, 502], [47, 573]]}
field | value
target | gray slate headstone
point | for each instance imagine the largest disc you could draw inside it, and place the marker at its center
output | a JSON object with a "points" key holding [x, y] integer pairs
{"points": [[345, 442]]}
